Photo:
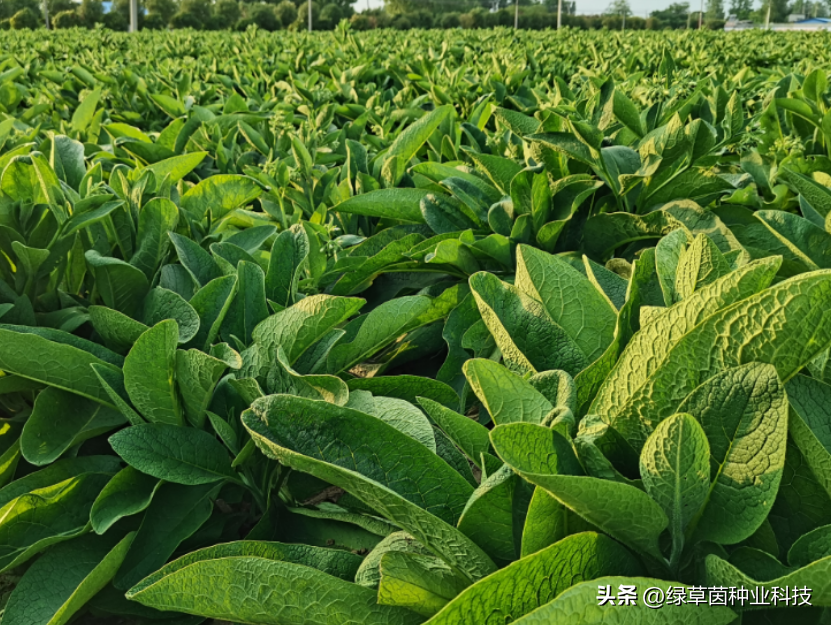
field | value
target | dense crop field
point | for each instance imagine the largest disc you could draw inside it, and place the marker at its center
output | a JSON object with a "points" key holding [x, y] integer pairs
{"points": [[458, 327]]}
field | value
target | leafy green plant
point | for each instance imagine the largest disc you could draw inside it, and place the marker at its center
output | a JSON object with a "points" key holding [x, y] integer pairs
{"points": [[423, 336]]}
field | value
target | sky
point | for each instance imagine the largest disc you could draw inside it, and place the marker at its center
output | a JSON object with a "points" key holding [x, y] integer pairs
{"points": [[641, 8]]}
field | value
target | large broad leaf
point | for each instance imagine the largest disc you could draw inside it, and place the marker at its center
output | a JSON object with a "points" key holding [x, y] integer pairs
{"points": [[369, 333], [175, 513], [212, 303], [579, 606], [61, 582], [129, 492], [506, 396], [199, 263], [175, 454], [571, 300], [286, 265], [744, 413], [52, 514], [809, 427], [156, 218], [785, 325], [400, 414], [816, 577], [220, 195], [59, 471], [700, 264], [400, 204], [544, 458], [298, 327], [229, 588], [60, 420], [120, 285], [675, 469], [62, 366], [249, 306], [407, 387], [649, 347], [420, 583], [410, 140], [161, 304], [528, 338], [535, 580], [362, 455], [149, 374], [468, 435], [197, 374]]}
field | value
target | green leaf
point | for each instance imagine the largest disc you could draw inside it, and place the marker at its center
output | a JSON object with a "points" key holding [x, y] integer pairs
{"points": [[579, 604], [649, 347], [249, 307], [407, 387], [605, 232], [369, 333], [59, 471], [161, 304], [507, 397], [362, 455], [813, 546], [282, 379], [567, 144], [128, 492], [121, 286], [814, 576], [175, 513], [226, 588], [199, 263], [744, 414], [699, 265], [667, 256], [55, 364], [46, 516], [543, 457], [527, 337], [675, 469], [82, 116], [419, 583], [533, 581], [286, 265], [785, 326], [212, 303], [408, 143], [112, 381], [175, 454], [468, 435], [569, 298], [818, 196], [197, 374], [149, 374], [117, 330], [220, 194], [402, 204], [172, 169], [156, 218], [61, 582], [60, 420]]}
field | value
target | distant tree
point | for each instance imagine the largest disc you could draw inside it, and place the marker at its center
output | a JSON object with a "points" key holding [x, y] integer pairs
{"points": [[779, 11], [165, 9], [25, 19], [741, 8], [58, 6], [263, 16], [619, 8], [91, 12], [66, 19], [330, 15], [715, 9], [10, 7], [226, 13], [674, 16], [286, 12]]}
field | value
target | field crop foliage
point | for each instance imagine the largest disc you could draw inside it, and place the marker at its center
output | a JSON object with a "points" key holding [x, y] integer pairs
{"points": [[445, 327]]}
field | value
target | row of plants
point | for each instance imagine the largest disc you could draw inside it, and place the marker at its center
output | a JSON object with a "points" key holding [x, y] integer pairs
{"points": [[404, 328]]}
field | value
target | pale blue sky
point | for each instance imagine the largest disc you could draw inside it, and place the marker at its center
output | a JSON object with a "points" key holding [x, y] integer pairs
{"points": [[586, 7]]}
